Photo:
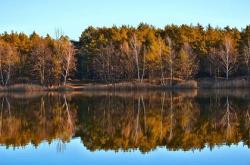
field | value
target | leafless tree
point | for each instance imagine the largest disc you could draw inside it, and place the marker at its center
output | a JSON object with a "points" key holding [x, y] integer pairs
{"points": [[161, 63], [41, 55], [136, 47], [227, 56], [247, 56], [143, 63], [214, 62], [8, 58], [104, 61], [58, 33], [171, 59], [188, 63], [68, 60]]}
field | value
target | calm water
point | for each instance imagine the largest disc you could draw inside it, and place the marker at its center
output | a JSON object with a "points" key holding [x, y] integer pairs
{"points": [[191, 127]]}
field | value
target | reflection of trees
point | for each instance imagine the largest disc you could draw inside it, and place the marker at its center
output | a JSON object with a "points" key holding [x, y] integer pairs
{"points": [[5, 106], [146, 122], [142, 122], [60, 147], [172, 122], [69, 124], [247, 121], [136, 121], [34, 120], [229, 120]]}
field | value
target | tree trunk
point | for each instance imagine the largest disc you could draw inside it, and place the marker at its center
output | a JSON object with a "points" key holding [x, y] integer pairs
{"points": [[137, 65], [248, 69], [171, 75], [8, 76], [143, 69]]}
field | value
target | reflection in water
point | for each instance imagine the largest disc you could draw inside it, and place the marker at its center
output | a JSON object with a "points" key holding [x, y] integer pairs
{"points": [[127, 121], [35, 119]]}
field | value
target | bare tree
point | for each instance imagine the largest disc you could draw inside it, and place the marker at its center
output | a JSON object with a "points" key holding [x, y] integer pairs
{"points": [[246, 53], [104, 62], [171, 59], [214, 63], [8, 58], [67, 60], [187, 62], [41, 54], [136, 47], [143, 63], [58, 33], [227, 56], [161, 63], [66, 51]]}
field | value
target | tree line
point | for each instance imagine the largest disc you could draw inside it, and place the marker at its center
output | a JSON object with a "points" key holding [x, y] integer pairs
{"points": [[184, 52], [35, 59], [126, 53]]}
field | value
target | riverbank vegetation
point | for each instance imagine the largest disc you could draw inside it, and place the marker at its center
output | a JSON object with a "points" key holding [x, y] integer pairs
{"points": [[128, 54]]}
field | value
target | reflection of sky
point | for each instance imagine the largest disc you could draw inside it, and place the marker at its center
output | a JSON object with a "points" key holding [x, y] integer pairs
{"points": [[76, 153]]}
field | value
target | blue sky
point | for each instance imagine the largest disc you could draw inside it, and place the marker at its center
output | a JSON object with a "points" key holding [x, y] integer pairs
{"points": [[73, 16]]}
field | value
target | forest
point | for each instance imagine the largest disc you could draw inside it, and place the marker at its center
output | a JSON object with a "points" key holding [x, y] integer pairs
{"points": [[125, 54]]}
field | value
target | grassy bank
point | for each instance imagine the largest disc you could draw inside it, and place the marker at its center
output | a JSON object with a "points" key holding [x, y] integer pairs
{"points": [[223, 83], [127, 86], [33, 88]]}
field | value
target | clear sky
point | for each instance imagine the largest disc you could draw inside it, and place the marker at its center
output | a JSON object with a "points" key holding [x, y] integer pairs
{"points": [[73, 16]]}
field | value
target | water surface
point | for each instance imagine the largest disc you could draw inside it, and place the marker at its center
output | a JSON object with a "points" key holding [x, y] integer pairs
{"points": [[191, 127]]}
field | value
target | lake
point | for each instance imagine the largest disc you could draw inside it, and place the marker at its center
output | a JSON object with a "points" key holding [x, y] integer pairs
{"points": [[172, 127]]}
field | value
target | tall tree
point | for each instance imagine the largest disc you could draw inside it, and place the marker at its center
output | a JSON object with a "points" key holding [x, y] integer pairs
{"points": [[246, 54], [39, 53], [187, 62], [136, 47], [171, 59], [67, 54], [228, 55], [8, 59]]}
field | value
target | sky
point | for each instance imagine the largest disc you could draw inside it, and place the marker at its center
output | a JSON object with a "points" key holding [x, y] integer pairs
{"points": [[73, 16]]}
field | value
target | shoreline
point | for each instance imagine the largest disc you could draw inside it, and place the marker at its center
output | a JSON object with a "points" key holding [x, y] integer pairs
{"points": [[130, 86]]}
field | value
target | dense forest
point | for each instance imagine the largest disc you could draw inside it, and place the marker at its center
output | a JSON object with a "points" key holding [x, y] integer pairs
{"points": [[126, 53]]}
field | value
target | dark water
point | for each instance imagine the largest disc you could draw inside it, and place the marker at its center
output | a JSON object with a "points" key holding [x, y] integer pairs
{"points": [[185, 127]]}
